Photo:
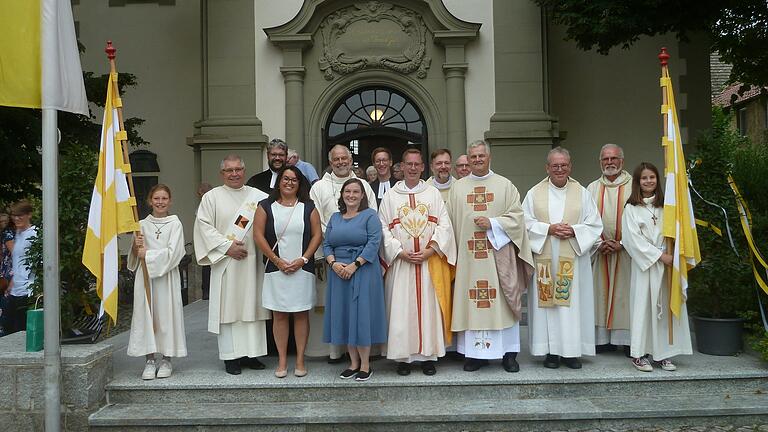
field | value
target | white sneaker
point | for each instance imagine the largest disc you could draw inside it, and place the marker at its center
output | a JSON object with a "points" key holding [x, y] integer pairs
{"points": [[642, 364], [149, 370], [667, 365], [165, 369]]}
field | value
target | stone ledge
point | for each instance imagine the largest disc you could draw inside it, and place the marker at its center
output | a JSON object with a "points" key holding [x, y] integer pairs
{"points": [[13, 352]]}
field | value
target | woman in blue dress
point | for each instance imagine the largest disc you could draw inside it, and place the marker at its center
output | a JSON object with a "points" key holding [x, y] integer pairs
{"points": [[355, 311]]}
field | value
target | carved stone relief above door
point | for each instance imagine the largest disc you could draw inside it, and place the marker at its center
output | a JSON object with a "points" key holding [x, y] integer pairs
{"points": [[373, 35]]}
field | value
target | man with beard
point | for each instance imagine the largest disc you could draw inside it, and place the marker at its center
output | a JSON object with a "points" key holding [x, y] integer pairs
{"points": [[277, 154], [462, 166], [325, 193], [440, 164], [611, 264]]}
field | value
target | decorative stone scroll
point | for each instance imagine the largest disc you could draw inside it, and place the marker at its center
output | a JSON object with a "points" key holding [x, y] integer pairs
{"points": [[395, 35]]}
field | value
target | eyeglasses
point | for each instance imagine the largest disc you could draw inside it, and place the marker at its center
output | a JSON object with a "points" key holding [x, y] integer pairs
{"points": [[610, 159], [232, 170], [462, 165], [558, 167], [412, 164], [291, 180]]}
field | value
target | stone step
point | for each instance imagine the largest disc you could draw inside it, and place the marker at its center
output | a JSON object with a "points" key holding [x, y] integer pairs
{"points": [[492, 412], [405, 390]]}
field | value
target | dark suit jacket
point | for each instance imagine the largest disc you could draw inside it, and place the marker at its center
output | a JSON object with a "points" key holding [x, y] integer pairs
{"points": [[261, 181], [375, 187]]}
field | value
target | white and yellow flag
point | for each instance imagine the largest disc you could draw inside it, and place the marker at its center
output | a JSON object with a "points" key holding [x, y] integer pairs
{"points": [[111, 210], [39, 59], [679, 222]]}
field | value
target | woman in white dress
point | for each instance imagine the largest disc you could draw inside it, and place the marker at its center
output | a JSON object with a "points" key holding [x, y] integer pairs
{"points": [[157, 325], [650, 316], [287, 230]]}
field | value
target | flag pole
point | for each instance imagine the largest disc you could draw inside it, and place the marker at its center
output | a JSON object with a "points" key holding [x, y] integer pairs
{"points": [[52, 325], [664, 60], [111, 50]]}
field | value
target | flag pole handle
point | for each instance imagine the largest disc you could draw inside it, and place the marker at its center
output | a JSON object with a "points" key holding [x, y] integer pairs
{"points": [[664, 60], [111, 50]]}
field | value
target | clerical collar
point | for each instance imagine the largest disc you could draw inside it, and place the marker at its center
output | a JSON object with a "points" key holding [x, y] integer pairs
{"points": [[443, 186], [474, 177], [233, 189]]}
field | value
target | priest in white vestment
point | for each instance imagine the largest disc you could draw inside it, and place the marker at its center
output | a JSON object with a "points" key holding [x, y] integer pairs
{"points": [[440, 164], [223, 240], [418, 250], [493, 265], [652, 337], [325, 194], [563, 226], [611, 264]]}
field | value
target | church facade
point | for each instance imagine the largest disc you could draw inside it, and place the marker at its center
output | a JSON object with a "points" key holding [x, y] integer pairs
{"points": [[226, 76]]}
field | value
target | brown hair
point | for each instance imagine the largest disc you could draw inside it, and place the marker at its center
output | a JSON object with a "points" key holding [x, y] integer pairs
{"points": [[439, 152], [636, 197], [378, 150], [363, 198], [411, 151], [21, 207], [156, 188]]}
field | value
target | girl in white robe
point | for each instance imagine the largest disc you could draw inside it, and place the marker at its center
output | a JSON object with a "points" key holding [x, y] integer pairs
{"points": [[649, 290], [157, 325]]}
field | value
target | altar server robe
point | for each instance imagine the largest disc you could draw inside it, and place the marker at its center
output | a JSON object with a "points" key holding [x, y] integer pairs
{"points": [[161, 328], [645, 242]]}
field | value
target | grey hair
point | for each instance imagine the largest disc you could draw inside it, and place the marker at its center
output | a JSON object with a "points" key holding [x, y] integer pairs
{"points": [[478, 143], [277, 142], [232, 157], [349, 152], [559, 150], [370, 169], [612, 146], [292, 153]]}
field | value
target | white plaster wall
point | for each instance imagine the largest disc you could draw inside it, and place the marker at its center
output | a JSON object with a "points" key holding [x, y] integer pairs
{"points": [[270, 91], [480, 82]]}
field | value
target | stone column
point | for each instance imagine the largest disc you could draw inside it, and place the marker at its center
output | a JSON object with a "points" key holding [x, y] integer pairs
{"points": [[521, 128], [293, 77], [454, 69], [456, 107], [228, 121]]}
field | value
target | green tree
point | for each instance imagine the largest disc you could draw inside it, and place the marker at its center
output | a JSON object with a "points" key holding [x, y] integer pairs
{"points": [[21, 177], [738, 29]]}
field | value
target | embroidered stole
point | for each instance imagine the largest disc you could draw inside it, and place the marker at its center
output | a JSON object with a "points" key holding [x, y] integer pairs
{"points": [[610, 282], [556, 291]]}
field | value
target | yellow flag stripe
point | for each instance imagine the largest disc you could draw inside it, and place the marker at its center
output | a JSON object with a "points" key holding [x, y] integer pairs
{"points": [[20, 58]]}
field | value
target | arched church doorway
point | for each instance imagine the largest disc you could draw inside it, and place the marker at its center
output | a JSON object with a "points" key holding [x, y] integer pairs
{"points": [[372, 117]]}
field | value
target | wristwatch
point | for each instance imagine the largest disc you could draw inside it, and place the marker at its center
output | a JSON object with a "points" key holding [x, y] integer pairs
{"points": [[305, 259], [358, 264]]}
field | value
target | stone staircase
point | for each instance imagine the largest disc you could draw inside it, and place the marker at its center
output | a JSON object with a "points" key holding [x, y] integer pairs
{"points": [[606, 394]]}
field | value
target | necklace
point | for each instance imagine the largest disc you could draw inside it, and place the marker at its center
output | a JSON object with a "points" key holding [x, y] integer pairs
{"points": [[654, 218], [158, 228]]}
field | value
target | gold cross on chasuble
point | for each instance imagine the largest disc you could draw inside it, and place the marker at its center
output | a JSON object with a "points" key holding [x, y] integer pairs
{"points": [[479, 198], [482, 294]]}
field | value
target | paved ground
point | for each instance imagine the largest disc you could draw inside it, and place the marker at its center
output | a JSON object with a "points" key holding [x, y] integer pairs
{"points": [[202, 367]]}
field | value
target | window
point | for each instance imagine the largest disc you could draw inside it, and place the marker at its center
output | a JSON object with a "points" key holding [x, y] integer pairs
{"points": [[741, 121], [373, 108]]}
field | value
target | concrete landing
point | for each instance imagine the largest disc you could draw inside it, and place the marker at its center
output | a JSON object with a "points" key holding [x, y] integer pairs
{"points": [[606, 392]]}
